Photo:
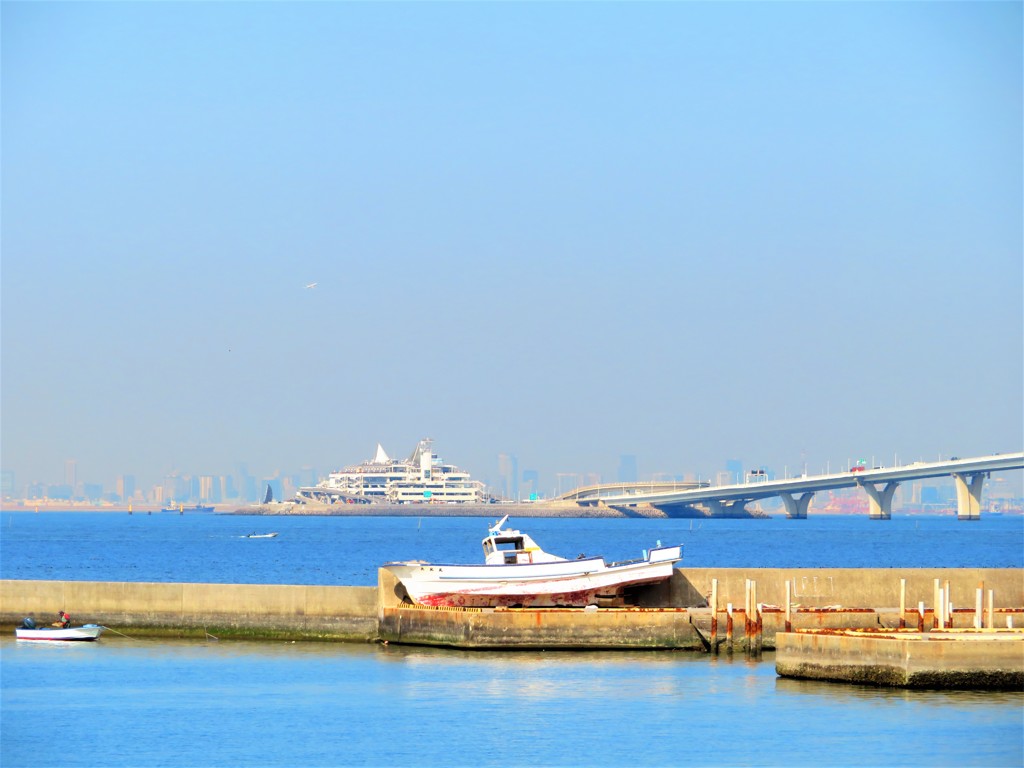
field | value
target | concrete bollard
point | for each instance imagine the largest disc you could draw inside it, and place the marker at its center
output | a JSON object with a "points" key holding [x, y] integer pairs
{"points": [[752, 637], [714, 615], [758, 631], [903, 603], [789, 606], [746, 611], [728, 627]]}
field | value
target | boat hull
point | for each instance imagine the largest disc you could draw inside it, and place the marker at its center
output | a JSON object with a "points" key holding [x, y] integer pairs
{"points": [[552, 584], [87, 633]]}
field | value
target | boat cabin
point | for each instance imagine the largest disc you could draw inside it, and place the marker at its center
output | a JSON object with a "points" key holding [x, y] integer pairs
{"points": [[510, 547]]}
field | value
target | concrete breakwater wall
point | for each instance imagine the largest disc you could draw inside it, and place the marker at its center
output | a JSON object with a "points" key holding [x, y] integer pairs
{"points": [[675, 614], [989, 658], [245, 610]]}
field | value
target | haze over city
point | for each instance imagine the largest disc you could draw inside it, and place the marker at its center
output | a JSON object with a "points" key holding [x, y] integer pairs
{"points": [[278, 234]]}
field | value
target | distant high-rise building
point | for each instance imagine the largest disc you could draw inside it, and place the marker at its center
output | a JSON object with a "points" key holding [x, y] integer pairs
{"points": [[71, 473], [275, 485], [627, 468], [62, 492], [735, 468], [7, 482], [508, 470], [126, 487], [206, 488], [228, 488], [176, 488], [531, 484], [250, 489]]}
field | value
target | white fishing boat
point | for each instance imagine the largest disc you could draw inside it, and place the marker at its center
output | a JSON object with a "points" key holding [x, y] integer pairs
{"points": [[87, 632], [517, 572], [262, 535]]}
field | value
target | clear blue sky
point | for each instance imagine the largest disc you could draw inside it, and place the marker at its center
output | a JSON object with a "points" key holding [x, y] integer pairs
{"points": [[777, 232]]}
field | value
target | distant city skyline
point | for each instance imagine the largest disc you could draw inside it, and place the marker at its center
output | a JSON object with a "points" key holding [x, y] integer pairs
{"points": [[507, 482], [784, 233]]}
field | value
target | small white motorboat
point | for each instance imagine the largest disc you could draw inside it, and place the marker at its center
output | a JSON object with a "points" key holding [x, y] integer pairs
{"points": [[87, 632], [261, 535], [517, 572]]}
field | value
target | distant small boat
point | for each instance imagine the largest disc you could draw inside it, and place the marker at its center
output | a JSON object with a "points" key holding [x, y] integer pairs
{"points": [[87, 632], [261, 535], [182, 509]]}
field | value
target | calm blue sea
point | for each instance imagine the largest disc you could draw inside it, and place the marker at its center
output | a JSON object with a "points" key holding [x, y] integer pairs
{"points": [[123, 702], [87, 546]]}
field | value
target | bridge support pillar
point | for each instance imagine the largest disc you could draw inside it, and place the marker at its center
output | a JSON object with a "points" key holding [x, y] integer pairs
{"points": [[728, 508], [880, 502], [796, 509], [968, 495]]}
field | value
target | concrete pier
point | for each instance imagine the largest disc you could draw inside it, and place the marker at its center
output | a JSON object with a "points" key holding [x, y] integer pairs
{"points": [[677, 613], [234, 610], [975, 659]]}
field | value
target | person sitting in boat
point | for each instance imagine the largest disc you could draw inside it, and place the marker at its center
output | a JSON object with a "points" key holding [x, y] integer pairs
{"points": [[63, 621]]}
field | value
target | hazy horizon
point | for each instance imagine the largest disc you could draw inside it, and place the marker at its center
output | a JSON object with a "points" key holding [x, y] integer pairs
{"points": [[783, 233]]}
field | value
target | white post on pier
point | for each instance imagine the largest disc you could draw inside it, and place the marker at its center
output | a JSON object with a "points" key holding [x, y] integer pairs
{"points": [[789, 605], [714, 615], [978, 600], [903, 603], [991, 623], [746, 611]]}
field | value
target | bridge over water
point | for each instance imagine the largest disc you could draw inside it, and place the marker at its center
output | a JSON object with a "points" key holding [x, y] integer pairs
{"points": [[880, 483]]}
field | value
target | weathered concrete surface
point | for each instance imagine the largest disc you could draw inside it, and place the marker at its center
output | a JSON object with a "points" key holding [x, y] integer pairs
{"points": [[823, 598], [256, 610], [908, 659], [543, 628], [846, 587]]}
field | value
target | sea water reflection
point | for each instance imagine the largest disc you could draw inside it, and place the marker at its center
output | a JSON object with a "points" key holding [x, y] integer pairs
{"points": [[188, 703]]}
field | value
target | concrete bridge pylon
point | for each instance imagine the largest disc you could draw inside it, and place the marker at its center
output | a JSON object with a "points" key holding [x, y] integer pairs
{"points": [[880, 502], [968, 495], [796, 508], [727, 507]]}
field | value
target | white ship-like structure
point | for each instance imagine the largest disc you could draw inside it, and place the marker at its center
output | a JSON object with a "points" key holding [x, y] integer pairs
{"points": [[518, 573], [423, 477]]}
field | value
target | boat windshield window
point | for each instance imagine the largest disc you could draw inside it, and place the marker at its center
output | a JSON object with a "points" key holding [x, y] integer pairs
{"points": [[508, 543]]}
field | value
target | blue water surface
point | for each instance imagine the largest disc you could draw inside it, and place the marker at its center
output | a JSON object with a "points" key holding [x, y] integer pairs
{"points": [[91, 546], [124, 702]]}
